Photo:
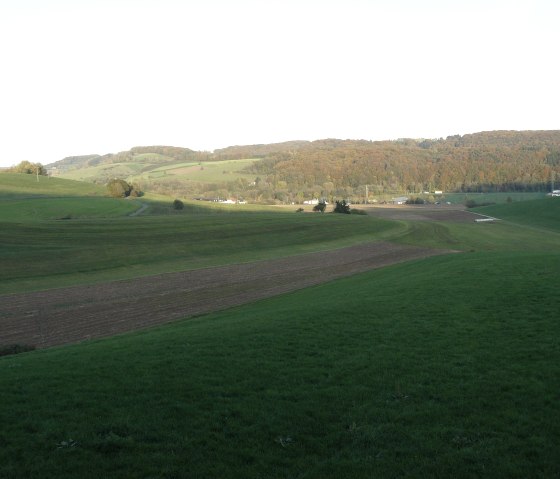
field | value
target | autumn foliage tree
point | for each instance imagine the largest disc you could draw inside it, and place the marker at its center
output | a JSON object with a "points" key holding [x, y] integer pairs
{"points": [[29, 168], [119, 188]]}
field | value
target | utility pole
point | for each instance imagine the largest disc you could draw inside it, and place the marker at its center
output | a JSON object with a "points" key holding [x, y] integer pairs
{"points": [[367, 195]]}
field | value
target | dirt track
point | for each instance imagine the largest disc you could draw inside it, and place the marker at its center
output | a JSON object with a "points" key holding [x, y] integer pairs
{"points": [[69, 315]]}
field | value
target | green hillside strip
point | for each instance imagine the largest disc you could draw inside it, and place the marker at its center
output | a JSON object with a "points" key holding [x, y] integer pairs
{"points": [[498, 198], [543, 213], [447, 367], [40, 255], [51, 208], [13, 185], [496, 236]]}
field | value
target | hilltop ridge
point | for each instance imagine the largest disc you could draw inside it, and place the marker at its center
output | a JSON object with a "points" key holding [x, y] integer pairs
{"points": [[286, 172]]}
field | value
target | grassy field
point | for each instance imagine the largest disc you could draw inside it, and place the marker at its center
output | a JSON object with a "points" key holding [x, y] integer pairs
{"points": [[24, 199], [63, 253], [149, 166], [64, 208], [206, 172], [104, 171], [373, 376], [445, 367], [498, 198], [14, 185], [544, 213]]}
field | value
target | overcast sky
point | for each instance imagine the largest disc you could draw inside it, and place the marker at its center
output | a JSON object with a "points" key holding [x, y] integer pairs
{"points": [[99, 76]]}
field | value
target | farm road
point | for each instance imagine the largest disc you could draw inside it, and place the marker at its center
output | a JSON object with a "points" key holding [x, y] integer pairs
{"points": [[69, 315]]}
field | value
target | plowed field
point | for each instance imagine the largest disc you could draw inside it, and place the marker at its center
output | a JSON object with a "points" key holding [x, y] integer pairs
{"points": [[423, 213], [69, 315]]}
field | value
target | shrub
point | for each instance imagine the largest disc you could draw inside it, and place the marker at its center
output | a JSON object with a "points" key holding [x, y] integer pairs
{"points": [[299, 210], [320, 206], [342, 207], [135, 191], [178, 205], [119, 188]]}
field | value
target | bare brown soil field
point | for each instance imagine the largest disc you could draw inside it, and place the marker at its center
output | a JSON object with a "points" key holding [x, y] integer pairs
{"points": [[69, 315], [422, 213]]}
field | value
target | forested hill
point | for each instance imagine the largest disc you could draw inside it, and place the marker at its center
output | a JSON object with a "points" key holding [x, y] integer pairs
{"points": [[487, 161], [289, 171]]}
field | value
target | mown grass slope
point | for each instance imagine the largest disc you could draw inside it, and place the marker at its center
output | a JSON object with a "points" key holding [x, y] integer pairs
{"points": [[498, 198], [62, 253], [148, 167], [17, 185], [543, 213], [24, 199], [447, 367], [37, 209]]}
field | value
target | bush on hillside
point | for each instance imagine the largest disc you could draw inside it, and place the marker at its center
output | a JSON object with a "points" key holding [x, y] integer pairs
{"points": [[321, 206], [119, 188], [178, 205], [342, 207], [135, 192]]}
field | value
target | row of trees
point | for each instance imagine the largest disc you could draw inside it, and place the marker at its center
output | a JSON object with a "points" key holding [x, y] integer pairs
{"points": [[28, 168], [341, 206], [292, 172], [413, 166]]}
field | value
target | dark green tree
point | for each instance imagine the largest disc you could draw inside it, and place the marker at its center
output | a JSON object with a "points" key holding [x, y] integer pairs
{"points": [[342, 207], [320, 206], [178, 205]]}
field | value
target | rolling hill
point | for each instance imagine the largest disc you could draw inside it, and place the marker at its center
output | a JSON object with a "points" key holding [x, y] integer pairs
{"points": [[23, 198], [358, 170]]}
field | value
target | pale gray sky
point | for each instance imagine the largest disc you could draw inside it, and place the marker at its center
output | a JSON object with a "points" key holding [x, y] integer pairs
{"points": [[99, 76]]}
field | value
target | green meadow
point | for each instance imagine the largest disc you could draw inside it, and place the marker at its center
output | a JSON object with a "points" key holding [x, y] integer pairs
{"points": [[149, 166], [23, 199], [498, 198], [544, 213], [443, 367], [62, 253], [14, 185]]}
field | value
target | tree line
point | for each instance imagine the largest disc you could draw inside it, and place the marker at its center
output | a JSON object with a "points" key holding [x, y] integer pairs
{"points": [[484, 162], [497, 161], [29, 168]]}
